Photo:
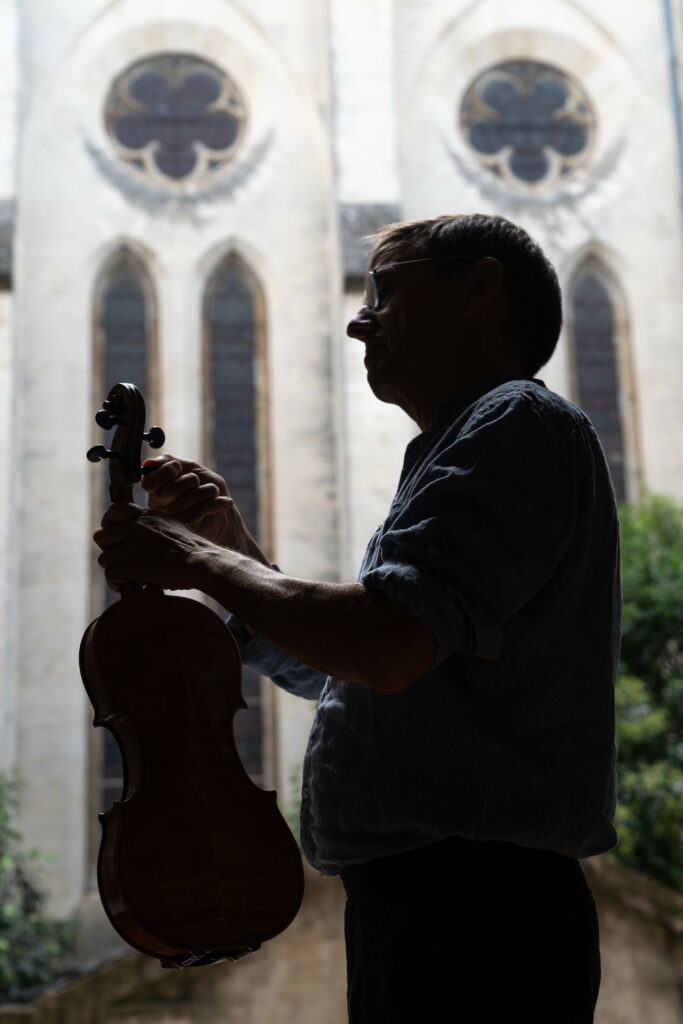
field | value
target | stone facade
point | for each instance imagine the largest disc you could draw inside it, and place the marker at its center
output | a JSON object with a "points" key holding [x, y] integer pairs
{"points": [[352, 120], [300, 975]]}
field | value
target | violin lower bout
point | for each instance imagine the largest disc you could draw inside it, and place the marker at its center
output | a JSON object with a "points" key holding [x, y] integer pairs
{"points": [[194, 858]]}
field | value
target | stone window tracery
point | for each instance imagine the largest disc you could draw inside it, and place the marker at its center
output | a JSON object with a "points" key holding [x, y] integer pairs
{"points": [[528, 123], [175, 118]]}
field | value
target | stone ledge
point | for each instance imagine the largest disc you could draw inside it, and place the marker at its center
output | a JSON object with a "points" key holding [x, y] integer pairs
{"points": [[128, 987], [79, 997], [635, 892]]}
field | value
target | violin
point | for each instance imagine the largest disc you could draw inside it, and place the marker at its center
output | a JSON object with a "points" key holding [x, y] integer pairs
{"points": [[196, 863]]}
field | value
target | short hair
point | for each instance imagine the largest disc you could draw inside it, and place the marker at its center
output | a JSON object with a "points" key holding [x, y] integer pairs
{"points": [[530, 282]]}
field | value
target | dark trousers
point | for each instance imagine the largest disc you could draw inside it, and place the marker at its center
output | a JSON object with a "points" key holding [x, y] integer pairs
{"points": [[464, 932]]}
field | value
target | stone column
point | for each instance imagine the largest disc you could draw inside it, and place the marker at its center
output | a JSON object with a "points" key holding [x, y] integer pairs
{"points": [[8, 131]]}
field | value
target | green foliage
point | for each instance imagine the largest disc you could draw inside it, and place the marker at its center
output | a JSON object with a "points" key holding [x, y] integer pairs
{"points": [[31, 944], [292, 811], [650, 773], [649, 695], [652, 580]]}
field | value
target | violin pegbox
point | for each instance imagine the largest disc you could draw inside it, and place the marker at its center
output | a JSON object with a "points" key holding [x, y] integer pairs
{"points": [[124, 408]]}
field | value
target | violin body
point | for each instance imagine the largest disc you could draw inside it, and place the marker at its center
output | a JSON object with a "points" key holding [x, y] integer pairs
{"points": [[196, 862]]}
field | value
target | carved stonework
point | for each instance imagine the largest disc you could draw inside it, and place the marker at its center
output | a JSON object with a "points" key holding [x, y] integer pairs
{"points": [[529, 124], [175, 118]]}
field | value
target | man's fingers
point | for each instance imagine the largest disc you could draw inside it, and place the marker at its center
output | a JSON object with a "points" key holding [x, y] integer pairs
{"points": [[166, 468], [165, 496], [190, 499], [152, 467], [109, 536], [165, 473], [209, 507]]}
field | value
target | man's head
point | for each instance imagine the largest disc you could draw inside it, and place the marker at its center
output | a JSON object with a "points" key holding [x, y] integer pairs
{"points": [[472, 295]]}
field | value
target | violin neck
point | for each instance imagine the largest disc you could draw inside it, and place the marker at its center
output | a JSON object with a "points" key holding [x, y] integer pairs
{"points": [[120, 490]]}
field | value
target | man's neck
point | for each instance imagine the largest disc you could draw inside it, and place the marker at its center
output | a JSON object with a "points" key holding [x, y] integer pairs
{"points": [[423, 409]]}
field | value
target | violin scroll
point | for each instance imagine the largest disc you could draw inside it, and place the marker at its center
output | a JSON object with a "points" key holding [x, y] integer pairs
{"points": [[124, 408]]}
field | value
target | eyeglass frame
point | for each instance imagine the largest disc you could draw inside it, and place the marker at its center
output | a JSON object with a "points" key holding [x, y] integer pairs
{"points": [[370, 276]]}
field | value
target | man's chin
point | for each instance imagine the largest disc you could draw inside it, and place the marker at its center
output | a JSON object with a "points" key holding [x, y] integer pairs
{"points": [[381, 387]]}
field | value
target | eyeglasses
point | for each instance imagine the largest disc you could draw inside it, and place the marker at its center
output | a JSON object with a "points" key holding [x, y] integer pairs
{"points": [[372, 297]]}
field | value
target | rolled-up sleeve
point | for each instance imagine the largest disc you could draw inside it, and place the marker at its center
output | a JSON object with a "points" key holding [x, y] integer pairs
{"points": [[481, 527]]}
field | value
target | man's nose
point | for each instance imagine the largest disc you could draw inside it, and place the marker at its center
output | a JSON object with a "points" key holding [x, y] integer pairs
{"points": [[363, 325]]}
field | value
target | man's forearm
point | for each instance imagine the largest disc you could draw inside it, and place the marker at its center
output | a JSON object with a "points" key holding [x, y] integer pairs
{"points": [[344, 629]]}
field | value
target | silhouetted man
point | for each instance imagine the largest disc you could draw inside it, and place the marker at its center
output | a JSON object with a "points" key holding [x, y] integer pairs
{"points": [[462, 756]]}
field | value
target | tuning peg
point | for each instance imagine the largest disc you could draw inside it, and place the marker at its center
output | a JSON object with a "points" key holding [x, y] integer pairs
{"points": [[155, 437], [113, 405], [98, 453], [111, 413], [107, 419]]}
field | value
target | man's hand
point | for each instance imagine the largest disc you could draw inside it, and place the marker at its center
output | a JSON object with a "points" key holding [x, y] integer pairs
{"points": [[199, 498], [344, 629], [140, 546]]}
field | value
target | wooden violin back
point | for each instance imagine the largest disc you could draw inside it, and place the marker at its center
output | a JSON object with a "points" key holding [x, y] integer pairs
{"points": [[196, 862]]}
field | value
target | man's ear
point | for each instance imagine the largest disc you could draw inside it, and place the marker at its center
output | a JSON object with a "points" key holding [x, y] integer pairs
{"points": [[485, 282]]}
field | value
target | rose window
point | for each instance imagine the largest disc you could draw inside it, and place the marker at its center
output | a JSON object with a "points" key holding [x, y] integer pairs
{"points": [[527, 123], [175, 117]]}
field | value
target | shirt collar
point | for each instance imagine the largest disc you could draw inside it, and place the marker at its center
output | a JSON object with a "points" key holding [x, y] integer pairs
{"points": [[464, 397]]}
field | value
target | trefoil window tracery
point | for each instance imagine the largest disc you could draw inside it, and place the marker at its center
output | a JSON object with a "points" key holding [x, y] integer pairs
{"points": [[175, 118], [529, 124]]}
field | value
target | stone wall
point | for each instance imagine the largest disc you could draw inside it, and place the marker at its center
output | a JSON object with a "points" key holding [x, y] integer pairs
{"points": [[622, 207], [274, 207], [300, 975], [641, 941]]}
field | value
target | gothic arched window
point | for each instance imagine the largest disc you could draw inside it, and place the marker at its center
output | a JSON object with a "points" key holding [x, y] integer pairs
{"points": [[123, 326], [235, 440], [599, 373], [124, 330]]}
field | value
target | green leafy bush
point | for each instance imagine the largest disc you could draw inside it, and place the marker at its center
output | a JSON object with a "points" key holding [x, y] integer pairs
{"points": [[650, 772], [650, 691], [652, 580], [32, 946]]}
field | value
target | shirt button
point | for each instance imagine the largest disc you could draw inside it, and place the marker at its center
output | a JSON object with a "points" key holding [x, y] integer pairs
{"points": [[304, 792], [433, 550]]}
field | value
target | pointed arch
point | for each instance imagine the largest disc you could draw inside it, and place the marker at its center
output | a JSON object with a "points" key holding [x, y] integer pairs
{"points": [[601, 373], [125, 316], [124, 336], [236, 435], [235, 389]]}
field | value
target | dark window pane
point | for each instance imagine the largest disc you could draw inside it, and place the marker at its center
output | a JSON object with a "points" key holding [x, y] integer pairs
{"points": [[231, 327], [125, 328], [597, 372], [568, 138], [529, 164]]}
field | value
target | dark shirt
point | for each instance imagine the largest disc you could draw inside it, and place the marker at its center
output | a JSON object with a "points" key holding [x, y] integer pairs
{"points": [[503, 541]]}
